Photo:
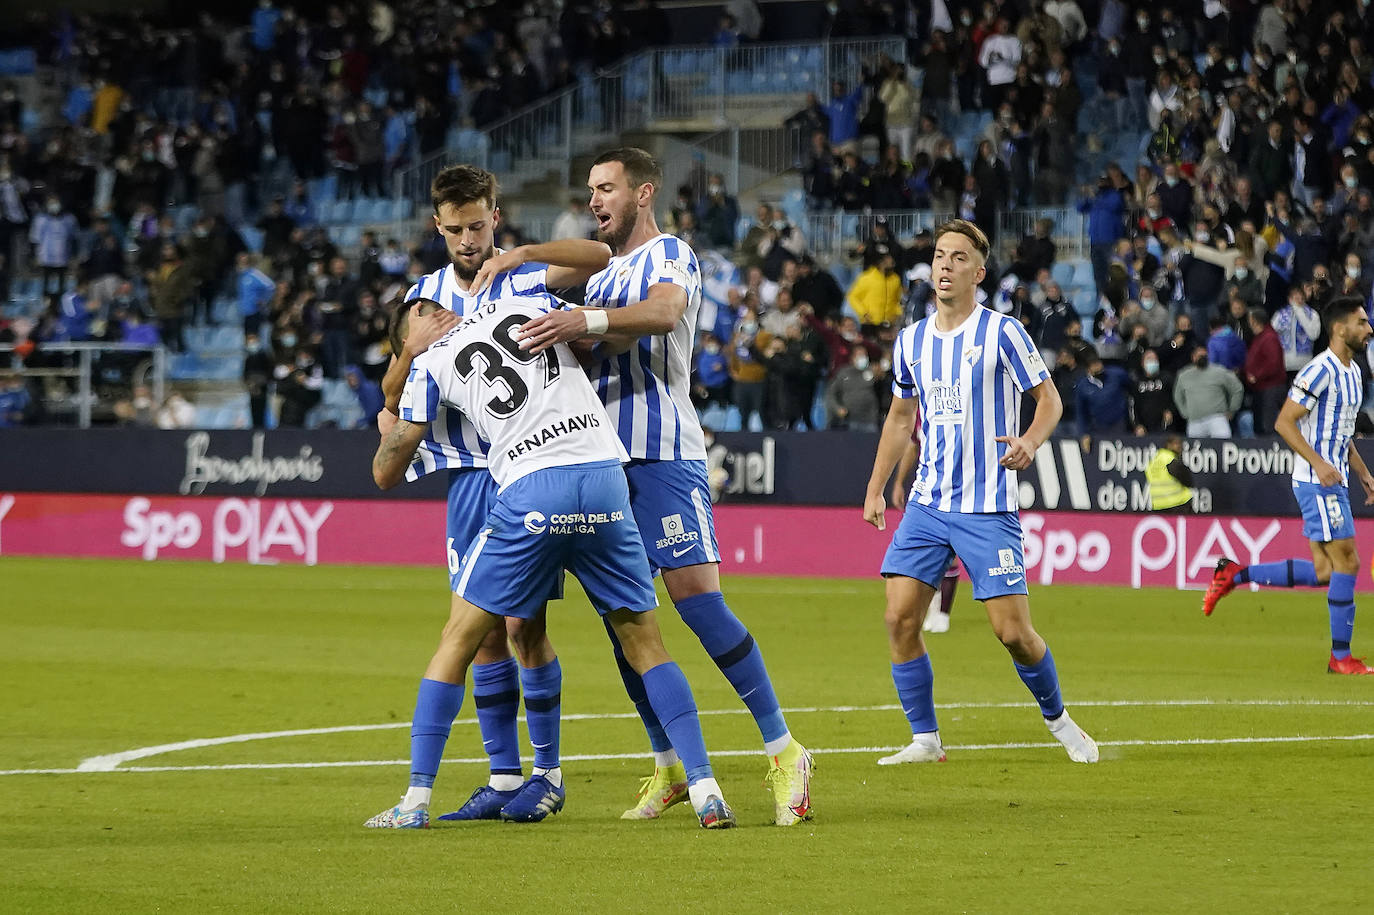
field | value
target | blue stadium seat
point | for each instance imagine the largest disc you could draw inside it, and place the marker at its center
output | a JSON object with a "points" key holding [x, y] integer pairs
{"points": [[1083, 273], [1085, 302]]}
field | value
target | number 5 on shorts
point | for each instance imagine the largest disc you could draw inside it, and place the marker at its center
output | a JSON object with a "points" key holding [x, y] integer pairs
{"points": [[1334, 516]]}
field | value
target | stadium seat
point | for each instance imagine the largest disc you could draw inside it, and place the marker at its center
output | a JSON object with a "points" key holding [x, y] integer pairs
{"points": [[1083, 273], [1085, 302]]}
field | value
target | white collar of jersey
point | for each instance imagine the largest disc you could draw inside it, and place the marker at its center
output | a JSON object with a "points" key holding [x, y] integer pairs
{"points": [[968, 322]]}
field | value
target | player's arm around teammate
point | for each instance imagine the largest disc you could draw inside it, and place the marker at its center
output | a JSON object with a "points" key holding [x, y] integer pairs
{"points": [[571, 261]]}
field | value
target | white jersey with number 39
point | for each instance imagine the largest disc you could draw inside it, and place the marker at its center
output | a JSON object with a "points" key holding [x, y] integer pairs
{"points": [[536, 411]]}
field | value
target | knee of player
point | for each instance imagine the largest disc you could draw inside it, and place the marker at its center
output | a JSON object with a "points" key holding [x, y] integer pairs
{"points": [[899, 616]]}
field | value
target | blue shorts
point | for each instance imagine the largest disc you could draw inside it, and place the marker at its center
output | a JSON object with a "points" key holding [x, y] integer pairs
{"points": [[672, 506], [471, 495], [1325, 512], [988, 544], [575, 518]]}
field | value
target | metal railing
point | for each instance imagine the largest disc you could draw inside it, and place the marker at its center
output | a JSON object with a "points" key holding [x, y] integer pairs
{"points": [[683, 88], [746, 156], [831, 233], [84, 370]]}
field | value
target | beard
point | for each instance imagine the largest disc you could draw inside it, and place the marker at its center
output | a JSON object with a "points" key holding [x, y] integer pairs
{"points": [[460, 265], [624, 228]]}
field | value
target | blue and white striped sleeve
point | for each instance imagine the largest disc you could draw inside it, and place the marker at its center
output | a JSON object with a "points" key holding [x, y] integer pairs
{"points": [[903, 377], [672, 260], [1311, 382], [420, 398], [1019, 355]]}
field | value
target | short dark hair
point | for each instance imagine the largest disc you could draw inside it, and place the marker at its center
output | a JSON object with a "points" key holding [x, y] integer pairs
{"points": [[968, 230], [460, 185], [640, 167], [399, 321], [1340, 308], [1259, 316]]}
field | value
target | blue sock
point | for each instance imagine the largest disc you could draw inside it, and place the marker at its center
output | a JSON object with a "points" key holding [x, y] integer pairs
{"points": [[543, 695], [1287, 573], [673, 703], [913, 680], [1340, 602], [1043, 682], [435, 708], [737, 655], [634, 688], [496, 696]]}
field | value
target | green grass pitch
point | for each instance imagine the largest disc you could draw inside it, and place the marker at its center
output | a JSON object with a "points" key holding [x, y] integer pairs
{"points": [[1220, 787]]}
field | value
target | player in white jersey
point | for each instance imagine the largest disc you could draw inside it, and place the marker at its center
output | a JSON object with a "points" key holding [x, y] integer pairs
{"points": [[966, 367], [563, 503], [1318, 423], [466, 216], [649, 296]]}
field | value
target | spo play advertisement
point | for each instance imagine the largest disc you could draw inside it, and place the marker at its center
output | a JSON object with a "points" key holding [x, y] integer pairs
{"points": [[796, 541]]}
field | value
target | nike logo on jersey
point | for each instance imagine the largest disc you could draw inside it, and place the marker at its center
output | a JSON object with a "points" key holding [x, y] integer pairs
{"points": [[1012, 581], [682, 552]]}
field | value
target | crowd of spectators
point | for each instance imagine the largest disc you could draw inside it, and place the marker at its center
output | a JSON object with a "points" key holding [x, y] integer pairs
{"points": [[1250, 207], [234, 124]]}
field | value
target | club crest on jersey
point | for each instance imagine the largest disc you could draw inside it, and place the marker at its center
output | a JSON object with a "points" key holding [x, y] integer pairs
{"points": [[674, 533], [972, 354]]}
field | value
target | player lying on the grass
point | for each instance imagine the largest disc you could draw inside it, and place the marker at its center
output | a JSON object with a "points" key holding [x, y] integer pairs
{"points": [[562, 503], [942, 602], [966, 365], [466, 217], [1318, 423], [650, 295]]}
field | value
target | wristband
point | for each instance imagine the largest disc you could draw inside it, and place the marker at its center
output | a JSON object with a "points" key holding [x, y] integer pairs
{"points": [[598, 322]]}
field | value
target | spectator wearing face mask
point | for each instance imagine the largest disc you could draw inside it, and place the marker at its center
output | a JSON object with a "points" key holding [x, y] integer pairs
{"points": [[710, 375], [1151, 405], [1154, 315], [1298, 326], [1101, 401], [1244, 284], [1202, 278], [1264, 372], [257, 375], [1354, 282], [851, 400], [748, 373], [1207, 396]]}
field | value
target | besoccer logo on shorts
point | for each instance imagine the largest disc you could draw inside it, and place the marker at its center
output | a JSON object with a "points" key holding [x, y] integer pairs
{"points": [[1007, 564], [673, 532], [535, 523]]}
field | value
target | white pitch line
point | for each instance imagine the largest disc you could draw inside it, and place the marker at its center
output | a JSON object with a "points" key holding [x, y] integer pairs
{"points": [[602, 757], [107, 762]]}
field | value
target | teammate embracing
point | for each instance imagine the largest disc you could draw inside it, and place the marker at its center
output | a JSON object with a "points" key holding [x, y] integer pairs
{"points": [[466, 216], [650, 294], [966, 367], [553, 455], [1317, 422]]}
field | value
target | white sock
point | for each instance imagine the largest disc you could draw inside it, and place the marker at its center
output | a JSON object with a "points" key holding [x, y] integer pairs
{"points": [[554, 775], [777, 744], [665, 758], [416, 797], [700, 792], [1060, 723], [506, 782]]}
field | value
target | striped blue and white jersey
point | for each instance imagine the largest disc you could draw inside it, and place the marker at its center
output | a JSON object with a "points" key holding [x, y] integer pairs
{"points": [[537, 411], [1331, 391], [647, 390], [452, 442], [969, 381]]}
